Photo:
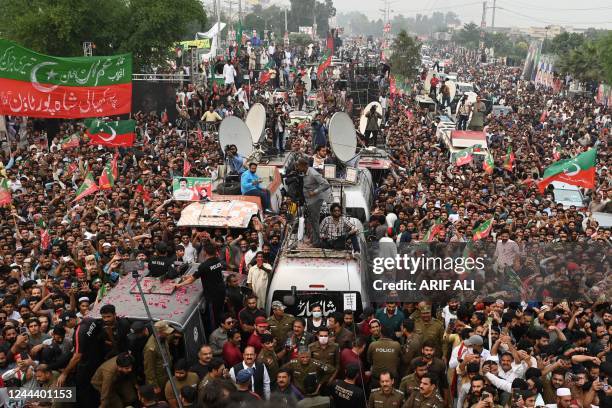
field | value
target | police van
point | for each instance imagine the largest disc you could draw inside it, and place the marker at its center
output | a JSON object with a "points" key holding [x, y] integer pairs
{"points": [[334, 279]]}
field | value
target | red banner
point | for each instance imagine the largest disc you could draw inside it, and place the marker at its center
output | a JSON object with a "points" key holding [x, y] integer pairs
{"points": [[19, 98]]}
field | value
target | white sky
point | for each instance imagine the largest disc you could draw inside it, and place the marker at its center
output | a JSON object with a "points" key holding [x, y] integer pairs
{"points": [[521, 13]]}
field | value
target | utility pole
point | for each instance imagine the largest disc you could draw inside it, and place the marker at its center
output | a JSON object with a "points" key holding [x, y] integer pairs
{"points": [[386, 10], [483, 24], [218, 37], [314, 19], [285, 20], [493, 17], [229, 17], [240, 11]]}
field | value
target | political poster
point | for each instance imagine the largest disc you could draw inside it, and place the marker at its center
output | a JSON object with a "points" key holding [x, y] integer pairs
{"points": [[191, 188]]}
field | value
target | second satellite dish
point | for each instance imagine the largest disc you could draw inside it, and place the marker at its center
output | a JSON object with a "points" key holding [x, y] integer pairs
{"points": [[234, 131], [256, 121], [342, 136], [363, 121]]}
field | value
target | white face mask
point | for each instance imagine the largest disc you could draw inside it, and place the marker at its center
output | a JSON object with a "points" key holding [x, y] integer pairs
{"points": [[317, 315], [323, 339]]}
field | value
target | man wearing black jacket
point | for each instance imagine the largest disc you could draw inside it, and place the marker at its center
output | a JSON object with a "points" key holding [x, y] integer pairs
{"points": [[211, 273]]}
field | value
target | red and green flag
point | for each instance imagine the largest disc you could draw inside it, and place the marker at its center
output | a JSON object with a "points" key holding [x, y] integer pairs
{"points": [[483, 230], [108, 176], [239, 35], [43, 86], [140, 188], [325, 62], [71, 141], [509, 159], [186, 167], [88, 187], [556, 153], [576, 171], [45, 239], [71, 168], [326, 58], [265, 73], [433, 231], [488, 164], [5, 193], [464, 156], [120, 133]]}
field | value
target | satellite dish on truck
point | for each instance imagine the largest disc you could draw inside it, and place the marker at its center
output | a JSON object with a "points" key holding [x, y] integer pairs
{"points": [[363, 121], [256, 121], [234, 131], [342, 137]]}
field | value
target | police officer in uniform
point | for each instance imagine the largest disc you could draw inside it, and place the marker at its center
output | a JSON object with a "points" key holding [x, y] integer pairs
{"points": [[386, 396], [269, 356], [427, 397], [281, 323], [160, 264], [384, 354], [411, 344], [429, 329], [411, 383], [155, 373], [305, 365], [325, 351]]}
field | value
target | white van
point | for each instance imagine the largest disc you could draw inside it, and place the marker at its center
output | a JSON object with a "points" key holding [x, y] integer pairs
{"points": [[356, 197], [334, 279], [568, 195]]}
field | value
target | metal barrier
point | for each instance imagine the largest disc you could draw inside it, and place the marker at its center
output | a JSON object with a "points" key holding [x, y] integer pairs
{"points": [[177, 77]]}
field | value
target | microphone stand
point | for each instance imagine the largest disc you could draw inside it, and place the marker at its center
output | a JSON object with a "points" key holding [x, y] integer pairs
{"points": [[162, 351]]}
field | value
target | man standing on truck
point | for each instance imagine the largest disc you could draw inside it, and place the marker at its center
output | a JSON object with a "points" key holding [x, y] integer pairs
{"points": [[478, 115], [211, 273], [315, 191], [445, 91], [433, 87], [372, 126]]}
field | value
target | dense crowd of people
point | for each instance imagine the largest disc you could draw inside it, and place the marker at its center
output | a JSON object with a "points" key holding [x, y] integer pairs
{"points": [[59, 257]]}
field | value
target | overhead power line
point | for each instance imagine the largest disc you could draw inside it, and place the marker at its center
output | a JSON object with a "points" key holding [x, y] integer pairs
{"points": [[573, 23], [549, 9]]}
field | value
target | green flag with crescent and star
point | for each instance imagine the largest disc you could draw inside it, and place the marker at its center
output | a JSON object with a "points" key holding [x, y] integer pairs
{"points": [[114, 134], [43, 86], [576, 171], [88, 187], [483, 230], [464, 156]]}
